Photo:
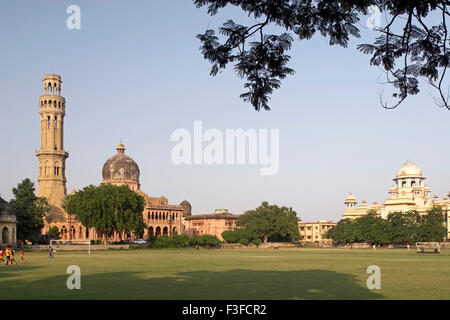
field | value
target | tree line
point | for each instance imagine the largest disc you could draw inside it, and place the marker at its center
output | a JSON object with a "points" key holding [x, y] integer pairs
{"points": [[108, 209], [399, 228]]}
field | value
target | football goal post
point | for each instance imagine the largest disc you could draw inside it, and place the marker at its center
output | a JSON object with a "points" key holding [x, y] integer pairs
{"points": [[56, 244]]}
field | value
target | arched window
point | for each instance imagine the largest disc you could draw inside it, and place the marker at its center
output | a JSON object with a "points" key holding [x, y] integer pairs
{"points": [[48, 122], [56, 119], [404, 184], [413, 183]]}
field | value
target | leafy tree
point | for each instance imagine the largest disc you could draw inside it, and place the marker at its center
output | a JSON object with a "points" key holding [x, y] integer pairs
{"points": [[270, 221], [403, 227], [431, 226], [108, 209], [29, 211], [399, 227], [53, 233], [234, 236], [371, 228], [343, 232], [407, 48]]}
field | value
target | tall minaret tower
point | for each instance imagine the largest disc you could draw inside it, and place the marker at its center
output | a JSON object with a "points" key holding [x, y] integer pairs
{"points": [[52, 157]]}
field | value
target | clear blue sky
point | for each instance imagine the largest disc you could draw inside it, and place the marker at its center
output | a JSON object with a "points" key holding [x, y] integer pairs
{"points": [[134, 72]]}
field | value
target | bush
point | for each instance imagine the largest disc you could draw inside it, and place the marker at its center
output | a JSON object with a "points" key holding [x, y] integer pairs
{"points": [[205, 240], [231, 236], [43, 239], [164, 242], [53, 233], [182, 240], [257, 242], [244, 241]]}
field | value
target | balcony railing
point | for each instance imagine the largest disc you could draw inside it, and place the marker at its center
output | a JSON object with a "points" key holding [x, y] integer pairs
{"points": [[7, 218]]}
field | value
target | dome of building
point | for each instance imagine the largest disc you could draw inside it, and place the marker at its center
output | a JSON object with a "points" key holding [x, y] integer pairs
{"points": [[187, 208], [409, 169], [350, 198], [120, 167]]}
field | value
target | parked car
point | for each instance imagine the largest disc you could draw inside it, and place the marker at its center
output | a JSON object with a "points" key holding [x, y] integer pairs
{"points": [[140, 241]]}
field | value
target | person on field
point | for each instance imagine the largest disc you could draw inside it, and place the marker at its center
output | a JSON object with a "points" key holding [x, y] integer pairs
{"points": [[12, 259], [21, 254], [51, 254], [2, 253], [7, 255]]}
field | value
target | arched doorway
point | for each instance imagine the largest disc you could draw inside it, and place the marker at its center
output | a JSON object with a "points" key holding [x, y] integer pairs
{"points": [[5, 236], [158, 231], [174, 230], [165, 231], [150, 232]]}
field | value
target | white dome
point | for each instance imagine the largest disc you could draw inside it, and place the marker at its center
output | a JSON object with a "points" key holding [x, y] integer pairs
{"points": [[350, 198], [409, 169]]}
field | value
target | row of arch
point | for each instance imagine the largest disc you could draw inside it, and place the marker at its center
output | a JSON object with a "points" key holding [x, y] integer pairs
{"points": [[412, 183], [158, 231], [52, 88], [48, 170], [53, 121], [53, 103], [65, 235], [162, 216]]}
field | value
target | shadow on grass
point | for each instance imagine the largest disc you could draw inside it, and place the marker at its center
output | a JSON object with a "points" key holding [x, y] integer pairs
{"points": [[232, 284]]}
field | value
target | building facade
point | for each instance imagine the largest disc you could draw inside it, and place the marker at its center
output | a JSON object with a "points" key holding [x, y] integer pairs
{"points": [[213, 224], [314, 231], [409, 192], [8, 226]]}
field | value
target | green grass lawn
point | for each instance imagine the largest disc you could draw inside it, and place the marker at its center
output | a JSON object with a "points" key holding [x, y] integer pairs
{"points": [[230, 274]]}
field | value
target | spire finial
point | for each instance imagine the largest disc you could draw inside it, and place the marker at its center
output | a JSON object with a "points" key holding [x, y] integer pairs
{"points": [[120, 148]]}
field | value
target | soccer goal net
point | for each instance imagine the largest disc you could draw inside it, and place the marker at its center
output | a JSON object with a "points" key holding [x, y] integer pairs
{"points": [[64, 244]]}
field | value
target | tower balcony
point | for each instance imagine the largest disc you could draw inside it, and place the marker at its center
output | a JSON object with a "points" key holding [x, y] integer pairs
{"points": [[63, 153], [55, 102]]}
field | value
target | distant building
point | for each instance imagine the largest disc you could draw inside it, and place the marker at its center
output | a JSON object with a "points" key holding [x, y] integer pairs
{"points": [[408, 193], [314, 231], [214, 224], [8, 226]]}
